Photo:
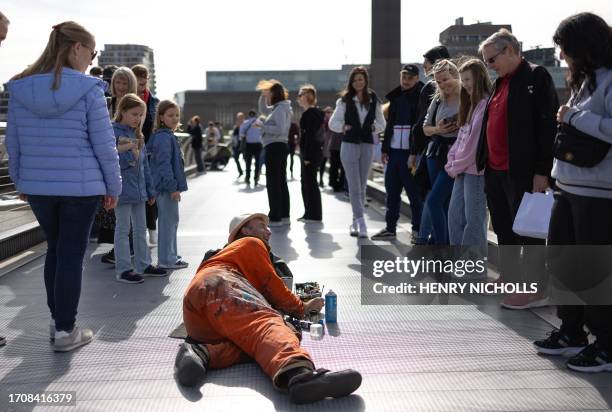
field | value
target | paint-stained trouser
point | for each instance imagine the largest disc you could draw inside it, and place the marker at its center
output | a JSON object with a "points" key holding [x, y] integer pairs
{"points": [[239, 323]]}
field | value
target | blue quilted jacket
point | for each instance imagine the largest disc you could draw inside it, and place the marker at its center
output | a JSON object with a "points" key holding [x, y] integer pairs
{"points": [[136, 181], [166, 162], [61, 142]]}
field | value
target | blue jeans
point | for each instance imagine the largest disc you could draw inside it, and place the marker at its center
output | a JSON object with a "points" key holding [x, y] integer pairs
{"points": [[438, 199], [167, 227], [398, 177], [66, 222], [124, 213], [426, 229], [467, 213]]}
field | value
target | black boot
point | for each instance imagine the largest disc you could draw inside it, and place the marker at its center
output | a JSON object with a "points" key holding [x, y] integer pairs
{"points": [[191, 363], [309, 386]]}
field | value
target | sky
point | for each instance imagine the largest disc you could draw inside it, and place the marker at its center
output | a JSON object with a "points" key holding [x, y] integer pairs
{"points": [[190, 37]]}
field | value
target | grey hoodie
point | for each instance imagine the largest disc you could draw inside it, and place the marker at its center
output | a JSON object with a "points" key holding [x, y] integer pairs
{"points": [[591, 114], [277, 123]]}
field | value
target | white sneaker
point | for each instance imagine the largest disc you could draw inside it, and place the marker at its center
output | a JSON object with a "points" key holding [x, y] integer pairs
{"points": [[353, 230], [179, 264], [363, 230], [65, 342], [152, 237], [286, 221], [276, 223]]}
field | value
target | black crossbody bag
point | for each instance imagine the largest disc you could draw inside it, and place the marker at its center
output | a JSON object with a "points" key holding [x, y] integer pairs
{"points": [[576, 147]]}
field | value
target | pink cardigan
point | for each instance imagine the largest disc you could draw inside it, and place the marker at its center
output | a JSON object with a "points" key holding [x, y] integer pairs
{"points": [[462, 155]]}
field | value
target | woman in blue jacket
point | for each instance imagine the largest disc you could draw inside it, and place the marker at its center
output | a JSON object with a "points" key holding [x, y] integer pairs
{"points": [[63, 159], [169, 181], [137, 189]]}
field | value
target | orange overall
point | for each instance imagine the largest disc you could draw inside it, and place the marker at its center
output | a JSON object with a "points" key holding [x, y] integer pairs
{"points": [[229, 306]]}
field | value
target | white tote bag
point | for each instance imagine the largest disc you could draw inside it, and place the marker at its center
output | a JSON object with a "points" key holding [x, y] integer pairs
{"points": [[533, 216]]}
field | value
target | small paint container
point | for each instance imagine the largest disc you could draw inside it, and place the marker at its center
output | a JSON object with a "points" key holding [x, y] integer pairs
{"points": [[316, 331]]}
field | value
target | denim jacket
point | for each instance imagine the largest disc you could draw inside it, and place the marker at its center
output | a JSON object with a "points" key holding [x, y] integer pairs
{"points": [[137, 183]]}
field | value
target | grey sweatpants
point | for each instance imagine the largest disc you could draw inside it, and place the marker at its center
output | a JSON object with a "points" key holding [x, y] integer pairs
{"points": [[357, 159]]}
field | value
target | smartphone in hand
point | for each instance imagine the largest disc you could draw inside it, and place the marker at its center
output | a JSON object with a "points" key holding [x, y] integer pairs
{"points": [[451, 119]]}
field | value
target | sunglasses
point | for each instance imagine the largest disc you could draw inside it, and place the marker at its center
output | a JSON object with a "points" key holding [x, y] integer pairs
{"points": [[94, 53], [492, 59]]}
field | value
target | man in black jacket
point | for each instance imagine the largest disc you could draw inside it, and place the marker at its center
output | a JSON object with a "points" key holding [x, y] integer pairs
{"points": [[403, 111], [515, 149]]}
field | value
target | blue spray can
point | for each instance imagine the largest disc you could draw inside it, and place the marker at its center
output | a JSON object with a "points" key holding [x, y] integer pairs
{"points": [[331, 307]]}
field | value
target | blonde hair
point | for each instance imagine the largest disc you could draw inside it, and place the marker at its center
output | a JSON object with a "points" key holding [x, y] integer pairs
{"points": [[264, 85], [127, 102], [278, 92], [444, 66], [162, 108], [311, 97], [56, 53], [127, 74]]}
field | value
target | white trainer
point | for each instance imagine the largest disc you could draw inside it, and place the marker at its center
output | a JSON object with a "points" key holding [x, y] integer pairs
{"points": [[65, 341], [353, 229], [363, 229]]}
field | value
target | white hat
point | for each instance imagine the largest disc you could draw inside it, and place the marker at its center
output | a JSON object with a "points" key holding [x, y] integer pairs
{"points": [[238, 223]]}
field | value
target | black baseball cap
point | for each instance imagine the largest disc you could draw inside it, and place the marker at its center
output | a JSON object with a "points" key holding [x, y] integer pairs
{"points": [[437, 53], [412, 69]]}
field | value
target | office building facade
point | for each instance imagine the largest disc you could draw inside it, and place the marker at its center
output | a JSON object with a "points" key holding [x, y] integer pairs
{"points": [[129, 55]]}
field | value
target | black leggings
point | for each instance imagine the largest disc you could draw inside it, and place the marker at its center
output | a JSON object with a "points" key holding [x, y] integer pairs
{"points": [[276, 181], [581, 220]]}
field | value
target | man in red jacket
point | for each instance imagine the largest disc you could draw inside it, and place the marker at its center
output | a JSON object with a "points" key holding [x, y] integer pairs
{"points": [[232, 312]]}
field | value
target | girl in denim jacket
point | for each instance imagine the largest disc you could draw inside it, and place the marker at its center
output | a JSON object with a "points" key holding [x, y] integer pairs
{"points": [[137, 189], [169, 180]]}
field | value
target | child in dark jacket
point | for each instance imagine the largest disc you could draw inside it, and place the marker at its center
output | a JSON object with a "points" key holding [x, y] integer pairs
{"points": [[137, 189], [169, 181]]}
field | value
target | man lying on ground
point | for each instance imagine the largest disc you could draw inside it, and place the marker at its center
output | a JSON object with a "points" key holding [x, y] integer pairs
{"points": [[230, 316], [256, 225]]}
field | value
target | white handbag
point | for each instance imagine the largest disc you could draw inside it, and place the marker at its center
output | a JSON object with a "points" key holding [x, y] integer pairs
{"points": [[533, 216]]}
